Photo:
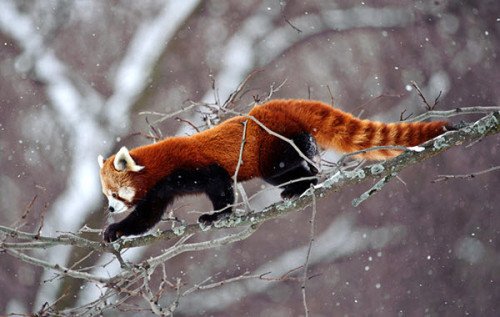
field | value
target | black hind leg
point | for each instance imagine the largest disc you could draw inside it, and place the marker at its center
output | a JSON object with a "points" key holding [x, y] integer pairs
{"points": [[286, 165], [293, 187]]}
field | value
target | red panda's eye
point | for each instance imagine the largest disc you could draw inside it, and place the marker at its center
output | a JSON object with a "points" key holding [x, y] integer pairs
{"points": [[114, 195]]}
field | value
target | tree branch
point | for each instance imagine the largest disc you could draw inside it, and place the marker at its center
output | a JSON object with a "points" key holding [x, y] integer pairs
{"points": [[487, 125], [125, 282], [471, 175]]}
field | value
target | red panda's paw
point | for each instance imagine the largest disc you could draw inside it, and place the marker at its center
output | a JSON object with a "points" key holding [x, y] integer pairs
{"points": [[294, 190], [112, 233], [207, 220]]}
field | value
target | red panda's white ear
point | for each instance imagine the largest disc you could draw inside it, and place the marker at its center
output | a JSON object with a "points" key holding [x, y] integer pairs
{"points": [[100, 160], [124, 162]]}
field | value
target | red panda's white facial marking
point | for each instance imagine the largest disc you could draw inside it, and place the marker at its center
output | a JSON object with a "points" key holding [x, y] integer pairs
{"points": [[127, 193], [115, 205], [116, 180], [120, 199]]}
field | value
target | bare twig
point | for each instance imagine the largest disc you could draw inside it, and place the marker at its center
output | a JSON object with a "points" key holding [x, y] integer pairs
{"points": [[272, 91], [181, 248], [179, 119], [240, 157], [428, 106], [74, 265], [436, 101], [454, 112], [332, 99], [203, 286], [283, 277], [164, 116], [375, 188], [155, 133], [306, 264], [28, 208], [56, 267], [244, 197], [42, 220], [403, 118], [283, 15], [229, 103], [471, 175]]}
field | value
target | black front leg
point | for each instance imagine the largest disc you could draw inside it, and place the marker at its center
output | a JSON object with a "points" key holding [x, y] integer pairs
{"points": [[219, 189], [213, 180], [146, 214], [138, 222]]}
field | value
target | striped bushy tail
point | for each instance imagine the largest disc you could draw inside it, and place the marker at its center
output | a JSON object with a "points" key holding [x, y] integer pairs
{"points": [[345, 133], [357, 135]]}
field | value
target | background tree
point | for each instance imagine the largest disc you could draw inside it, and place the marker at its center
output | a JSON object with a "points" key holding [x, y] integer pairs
{"points": [[76, 75]]}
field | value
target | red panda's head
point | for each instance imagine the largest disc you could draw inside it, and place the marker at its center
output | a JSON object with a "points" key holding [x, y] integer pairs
{"points": [[118, 180]]}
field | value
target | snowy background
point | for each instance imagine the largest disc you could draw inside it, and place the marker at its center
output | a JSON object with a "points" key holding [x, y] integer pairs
{"points": [[76, 74]]}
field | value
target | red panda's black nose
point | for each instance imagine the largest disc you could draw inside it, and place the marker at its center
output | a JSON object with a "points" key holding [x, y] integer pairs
{"points": [[111, 209]]}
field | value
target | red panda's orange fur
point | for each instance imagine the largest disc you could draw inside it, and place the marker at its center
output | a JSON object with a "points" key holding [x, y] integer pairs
{"points": [[332, 129], [146, 179]]}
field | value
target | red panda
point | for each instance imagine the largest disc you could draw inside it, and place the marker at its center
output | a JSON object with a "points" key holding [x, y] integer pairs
{"points": [[146, 179]]}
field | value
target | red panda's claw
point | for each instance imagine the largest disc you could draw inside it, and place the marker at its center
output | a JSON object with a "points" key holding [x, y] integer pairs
{"points": [[112, 233], [206, 220]]}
